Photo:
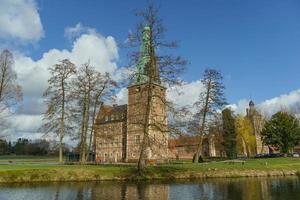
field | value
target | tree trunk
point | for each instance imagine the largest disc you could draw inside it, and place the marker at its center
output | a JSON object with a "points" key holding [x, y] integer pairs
{"points": [[2, 83], [3, 69], [145, 143], [82, 152], [93, 124], [62, 123], [87, 117], [245, 148], [198, 154], [60, 149]]}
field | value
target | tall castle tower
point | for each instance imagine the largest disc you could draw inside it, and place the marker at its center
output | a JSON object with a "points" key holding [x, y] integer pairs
{"points": [[146, 105], [257, 125]]}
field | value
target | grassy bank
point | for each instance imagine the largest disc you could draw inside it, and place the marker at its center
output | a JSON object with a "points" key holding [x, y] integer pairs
{"points": [[54, 172]]}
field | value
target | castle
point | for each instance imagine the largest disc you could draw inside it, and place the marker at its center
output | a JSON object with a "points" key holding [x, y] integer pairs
{"points": [[120, 129], [184, 147]]}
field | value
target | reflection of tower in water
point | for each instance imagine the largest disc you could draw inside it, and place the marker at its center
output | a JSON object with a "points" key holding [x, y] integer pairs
{"points": [[128, 191]]}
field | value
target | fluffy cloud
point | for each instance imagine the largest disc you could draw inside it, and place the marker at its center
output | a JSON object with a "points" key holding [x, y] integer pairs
{"points": [[270, 106], [283, 102], [240, 107], [19, 19], [24, 123], [188, 93], [102, 52], [77, 30], [21, 125], [184, 95], [122, 96]]}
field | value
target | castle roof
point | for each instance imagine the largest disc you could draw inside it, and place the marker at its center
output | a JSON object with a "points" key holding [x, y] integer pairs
{"points": [[109, 113]]}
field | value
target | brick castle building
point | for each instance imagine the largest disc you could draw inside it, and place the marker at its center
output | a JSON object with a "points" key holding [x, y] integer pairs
{"points": [[120, 129]]}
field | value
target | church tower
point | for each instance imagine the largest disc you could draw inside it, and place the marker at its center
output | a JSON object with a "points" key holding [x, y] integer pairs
{"points": [[146, 105]]}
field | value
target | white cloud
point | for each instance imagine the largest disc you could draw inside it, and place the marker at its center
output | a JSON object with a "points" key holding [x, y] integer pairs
{"points": [[26, 123], [283, 102], [184, 95], [77, 30], [19, 19], [187, 94], [271, 106], [122, 96], [240, 107], [23, 125], [102, 52]]}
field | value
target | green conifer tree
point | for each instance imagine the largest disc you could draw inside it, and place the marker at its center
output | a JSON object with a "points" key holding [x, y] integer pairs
{"points": [[229, 133]]}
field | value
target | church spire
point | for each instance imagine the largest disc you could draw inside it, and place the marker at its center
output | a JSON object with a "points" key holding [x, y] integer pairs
{"points": [[147, 65]]}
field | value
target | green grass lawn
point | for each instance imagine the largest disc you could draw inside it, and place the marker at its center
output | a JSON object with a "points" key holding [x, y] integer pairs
{"points": [[44, 171]]}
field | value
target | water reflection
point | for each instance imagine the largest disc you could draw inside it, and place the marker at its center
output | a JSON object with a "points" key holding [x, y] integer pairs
{"points": [[209, 189]]}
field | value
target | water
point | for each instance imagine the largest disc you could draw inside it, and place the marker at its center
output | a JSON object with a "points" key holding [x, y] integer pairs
{"points": [[207, 189]]}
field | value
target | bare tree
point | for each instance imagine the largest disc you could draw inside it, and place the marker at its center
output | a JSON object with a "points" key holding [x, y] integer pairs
{"points": [[83, 85], [90, 89], [57, 118], [210, 101], [152, 68], [103, 91], [10, 90]]}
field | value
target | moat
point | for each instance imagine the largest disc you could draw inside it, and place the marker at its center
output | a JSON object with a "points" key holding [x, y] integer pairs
{"points": [[210, 189]]}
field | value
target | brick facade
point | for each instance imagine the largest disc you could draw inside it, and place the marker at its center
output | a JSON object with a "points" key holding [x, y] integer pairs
{"points": [[139, 120], [110, 134], [137, 98], [119, 129]]}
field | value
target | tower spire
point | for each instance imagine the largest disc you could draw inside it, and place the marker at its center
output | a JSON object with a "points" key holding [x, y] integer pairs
{"points": [[147, 66]]}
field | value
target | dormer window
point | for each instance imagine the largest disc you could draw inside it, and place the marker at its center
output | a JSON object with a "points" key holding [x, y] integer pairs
{"points": [[112, 117]]}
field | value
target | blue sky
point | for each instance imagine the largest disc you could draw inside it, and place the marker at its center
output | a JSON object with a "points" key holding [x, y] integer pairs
{"points": [[255, 43]]}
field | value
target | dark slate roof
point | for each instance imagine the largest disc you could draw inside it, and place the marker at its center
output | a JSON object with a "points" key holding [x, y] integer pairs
{"points": [[117, 112], [251, 103]]}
